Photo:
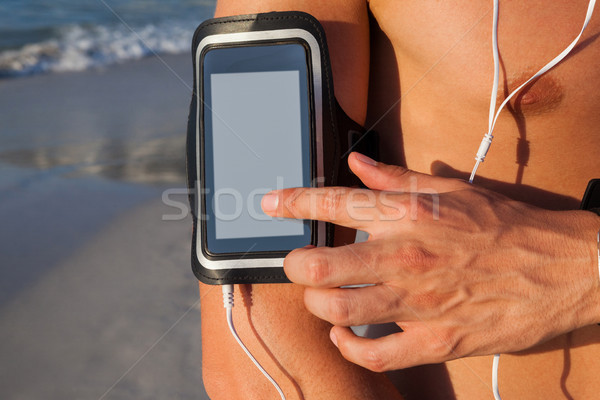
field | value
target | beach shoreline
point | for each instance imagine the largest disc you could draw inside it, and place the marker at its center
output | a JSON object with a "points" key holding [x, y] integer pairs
{"points": [[92, 276]]}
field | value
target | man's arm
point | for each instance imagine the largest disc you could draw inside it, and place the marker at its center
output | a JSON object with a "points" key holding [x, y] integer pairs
{"points": [[290, 343]]}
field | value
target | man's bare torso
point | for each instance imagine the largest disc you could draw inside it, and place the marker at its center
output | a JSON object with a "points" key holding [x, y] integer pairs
{"points": [[436, 56]]}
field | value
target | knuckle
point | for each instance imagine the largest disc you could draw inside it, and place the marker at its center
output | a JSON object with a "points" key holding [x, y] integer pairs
{"points": [[374, 360], [331, 202], [317, 270], [415, 257], [339, 311]]}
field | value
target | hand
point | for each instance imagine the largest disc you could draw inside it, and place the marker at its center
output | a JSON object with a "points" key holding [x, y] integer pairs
{"points": [[462, 270]]}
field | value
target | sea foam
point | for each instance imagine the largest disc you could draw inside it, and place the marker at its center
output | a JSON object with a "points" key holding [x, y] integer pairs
{"points": [[79, 47]]}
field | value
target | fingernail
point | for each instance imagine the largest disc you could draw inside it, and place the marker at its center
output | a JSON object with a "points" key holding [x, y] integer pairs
{"points": [[333, 338], [269, 202], [364, 159]]}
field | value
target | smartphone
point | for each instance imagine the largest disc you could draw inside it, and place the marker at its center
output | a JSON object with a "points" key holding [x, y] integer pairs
{"points": [[258, 128]]}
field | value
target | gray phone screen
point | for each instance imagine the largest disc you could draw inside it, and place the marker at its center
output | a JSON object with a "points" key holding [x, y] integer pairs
{"points": [[257, 148], [257, 138]]}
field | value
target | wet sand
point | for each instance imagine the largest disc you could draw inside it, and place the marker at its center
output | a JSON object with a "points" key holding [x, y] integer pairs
{"points": [[97, 298]]}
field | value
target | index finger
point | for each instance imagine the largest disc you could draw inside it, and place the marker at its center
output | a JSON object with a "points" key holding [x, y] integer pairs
{"points": [[350, 207]]}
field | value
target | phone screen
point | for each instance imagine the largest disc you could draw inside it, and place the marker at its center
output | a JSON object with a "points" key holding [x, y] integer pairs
{"points": [[257, 138]]}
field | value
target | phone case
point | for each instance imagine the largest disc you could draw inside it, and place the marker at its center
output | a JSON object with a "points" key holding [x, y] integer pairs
{"points": [[340, 134]]}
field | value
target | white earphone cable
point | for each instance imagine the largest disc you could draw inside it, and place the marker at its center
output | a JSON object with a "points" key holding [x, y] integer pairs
{"points": [[486, 142], [493, 115], [228, 304]]}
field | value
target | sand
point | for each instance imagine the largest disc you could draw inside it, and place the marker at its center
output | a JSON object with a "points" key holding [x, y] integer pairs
{"points": [[97, 298]]}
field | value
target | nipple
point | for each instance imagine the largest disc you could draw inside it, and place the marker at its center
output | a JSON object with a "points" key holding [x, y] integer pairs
{"points": [[539, 97]]}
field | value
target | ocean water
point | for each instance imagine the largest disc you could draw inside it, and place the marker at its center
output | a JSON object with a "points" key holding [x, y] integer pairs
{"points": [[41, 36]]}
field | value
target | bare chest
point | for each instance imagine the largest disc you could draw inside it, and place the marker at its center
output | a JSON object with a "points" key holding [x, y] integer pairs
{"points": [[443, 60]]}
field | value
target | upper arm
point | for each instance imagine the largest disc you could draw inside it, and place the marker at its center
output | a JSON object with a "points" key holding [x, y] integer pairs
{"points": [[346, 25]]}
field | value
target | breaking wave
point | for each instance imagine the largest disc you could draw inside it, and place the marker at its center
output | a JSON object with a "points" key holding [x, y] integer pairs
{"points": [[80, 47]]}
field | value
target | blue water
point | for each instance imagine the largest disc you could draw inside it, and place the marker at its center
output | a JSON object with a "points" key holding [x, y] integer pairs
{"points": [[41, 36]]}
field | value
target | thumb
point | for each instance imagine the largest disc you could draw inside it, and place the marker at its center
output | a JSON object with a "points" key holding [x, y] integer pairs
{"points": [[395, 351], [379, 176]]}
